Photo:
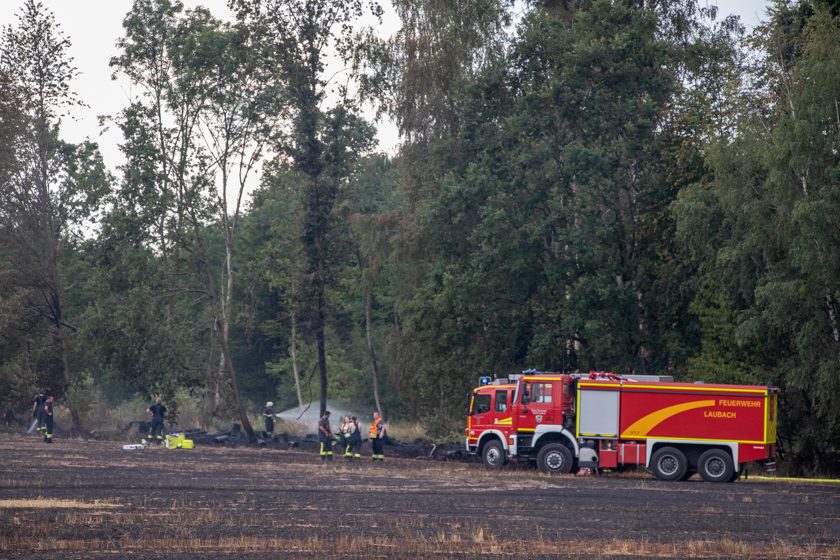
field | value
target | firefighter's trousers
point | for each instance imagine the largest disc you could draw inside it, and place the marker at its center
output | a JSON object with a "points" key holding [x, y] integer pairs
{"points": [[352, 445], [156, 430], [269, 427], [39, 416], [48, 429], [326, 447], [378, 449]]}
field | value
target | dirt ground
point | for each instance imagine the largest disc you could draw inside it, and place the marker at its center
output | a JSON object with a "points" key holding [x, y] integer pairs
{"points": [[77, 499]]}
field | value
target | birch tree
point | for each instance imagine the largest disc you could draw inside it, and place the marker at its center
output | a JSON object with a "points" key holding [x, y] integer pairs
{"points": [[53, 189], [208, 112]]}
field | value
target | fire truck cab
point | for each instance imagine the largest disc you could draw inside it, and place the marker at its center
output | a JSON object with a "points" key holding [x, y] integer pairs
{"points": [[563, 422], [524, 417]]}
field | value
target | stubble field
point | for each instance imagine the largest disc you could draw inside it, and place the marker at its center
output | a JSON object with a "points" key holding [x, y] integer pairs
{"points": [[78, 499]]}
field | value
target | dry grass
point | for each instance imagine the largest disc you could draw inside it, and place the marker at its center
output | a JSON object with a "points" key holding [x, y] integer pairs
{"points": [[406, 431], [213, 501], [178, 527], [282, 426], [477, 542], [47, 503], [193, 412]]}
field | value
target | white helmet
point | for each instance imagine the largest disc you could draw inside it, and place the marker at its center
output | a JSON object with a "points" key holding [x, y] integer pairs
{"points": [[269, 403]]}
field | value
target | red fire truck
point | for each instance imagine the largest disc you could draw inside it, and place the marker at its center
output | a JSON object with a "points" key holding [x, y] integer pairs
{"points": [[564, 422]]}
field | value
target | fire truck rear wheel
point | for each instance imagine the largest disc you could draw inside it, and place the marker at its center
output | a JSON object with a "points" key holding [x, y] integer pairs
{"points": [[493, 455], [555, 458], [669, 463], [715, 465]]}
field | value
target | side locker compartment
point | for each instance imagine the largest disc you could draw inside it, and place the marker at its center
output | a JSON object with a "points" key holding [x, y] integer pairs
{"points": [[598, 419], [598, 411]]}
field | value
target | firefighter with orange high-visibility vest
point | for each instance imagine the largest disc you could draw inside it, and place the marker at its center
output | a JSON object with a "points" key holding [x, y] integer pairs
{"points": [[377, 437]]}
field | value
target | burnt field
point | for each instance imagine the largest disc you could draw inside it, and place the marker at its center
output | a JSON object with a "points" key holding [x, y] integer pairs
{"points": [[79, 499]]}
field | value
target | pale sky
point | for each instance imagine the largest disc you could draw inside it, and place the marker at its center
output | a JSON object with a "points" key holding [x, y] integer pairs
{"points": [[93, 27]]}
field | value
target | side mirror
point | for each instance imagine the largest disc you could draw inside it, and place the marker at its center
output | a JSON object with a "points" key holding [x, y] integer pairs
{"points": [[525, 399]]}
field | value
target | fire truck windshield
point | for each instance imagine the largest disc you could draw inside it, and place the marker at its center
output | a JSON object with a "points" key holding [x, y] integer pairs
{"points": [[481, 404]]}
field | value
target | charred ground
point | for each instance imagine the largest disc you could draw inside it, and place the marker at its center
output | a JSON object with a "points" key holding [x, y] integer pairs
{"points": [[93, 500]]}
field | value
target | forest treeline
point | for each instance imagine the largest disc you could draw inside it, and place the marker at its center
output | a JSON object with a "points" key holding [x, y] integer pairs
{"points": [[624, 185]]}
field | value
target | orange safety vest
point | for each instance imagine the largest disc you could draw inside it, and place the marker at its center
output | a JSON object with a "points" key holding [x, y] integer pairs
{"points": [[374, 428]]}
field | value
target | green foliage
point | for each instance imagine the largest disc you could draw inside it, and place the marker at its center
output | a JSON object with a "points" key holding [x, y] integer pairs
{"points": [[771, 255], [50, 194], [587, 185], [721, 358], [546, 228]]}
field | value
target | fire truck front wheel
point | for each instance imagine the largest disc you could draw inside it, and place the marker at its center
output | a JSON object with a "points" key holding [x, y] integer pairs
{"points": [[493, 455], [555, 458], [715, 465], [669, 463]]}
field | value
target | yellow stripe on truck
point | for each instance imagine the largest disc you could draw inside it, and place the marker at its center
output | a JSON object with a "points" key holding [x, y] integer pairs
{"points": [[645, 424], [706, 388]]}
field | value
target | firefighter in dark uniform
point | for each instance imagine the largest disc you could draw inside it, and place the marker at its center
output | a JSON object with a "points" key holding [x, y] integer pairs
{"points": [[38, 410], [377, 437], [325, 437], [268, 416], [47, 415], [157, 411]]}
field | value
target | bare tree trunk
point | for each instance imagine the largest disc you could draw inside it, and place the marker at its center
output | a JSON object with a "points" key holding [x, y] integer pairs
{"points": [[371, 351], [368, 301], [321, 317], [221, 372], [319, 333], [293, 351], [224, 341], [243, 416], [225, 364], [227, 311], [168, 277], [213, 373], [55, 299], [76, 421], [831, 308], [644, 350]]}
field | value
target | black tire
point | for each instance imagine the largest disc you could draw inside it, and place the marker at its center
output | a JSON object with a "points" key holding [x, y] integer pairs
{"points": [[555, 458], [493, 455], [669, 463], [715, 465]]}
